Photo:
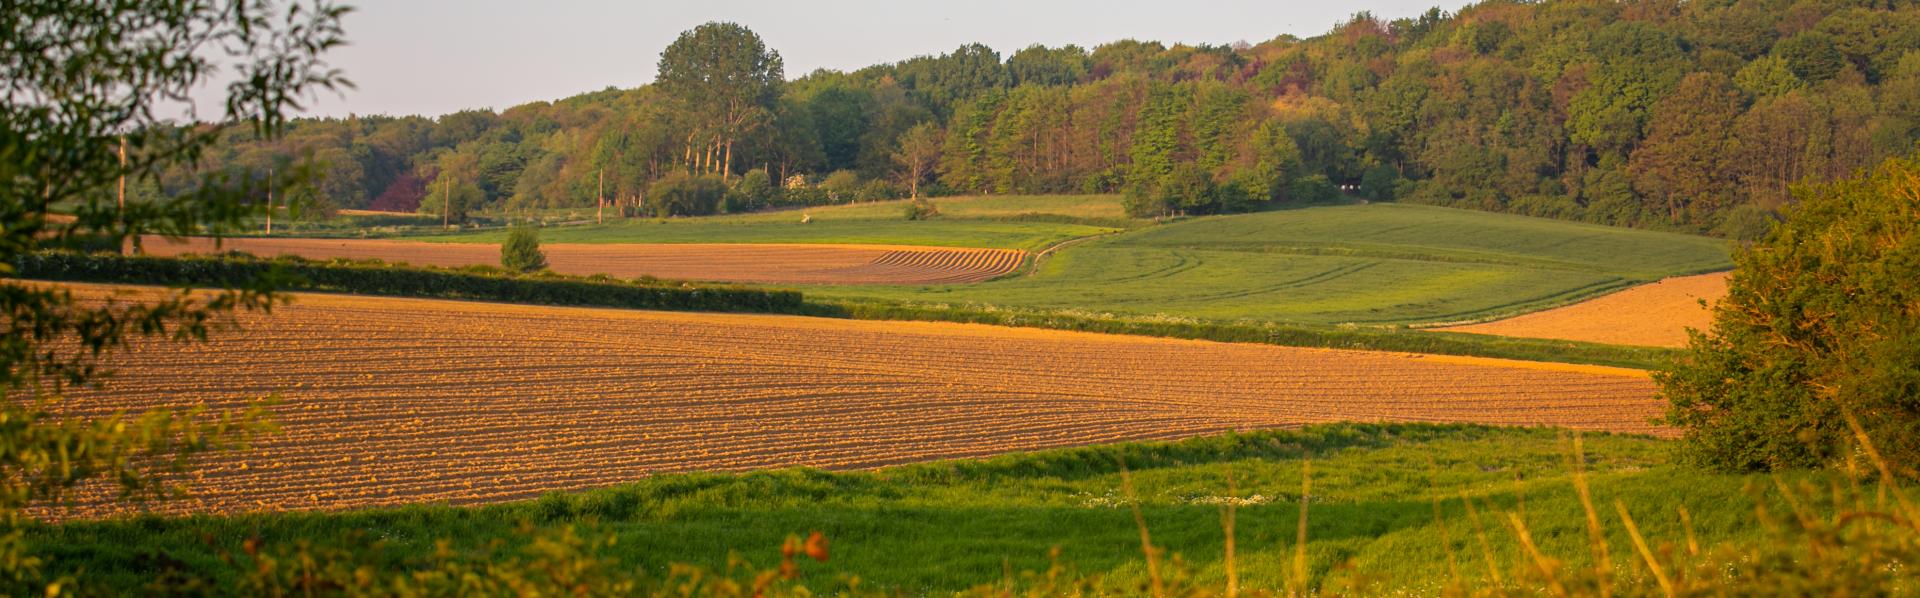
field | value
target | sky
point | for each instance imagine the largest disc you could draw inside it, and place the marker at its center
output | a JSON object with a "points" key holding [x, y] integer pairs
{"points": [[434, 57]]}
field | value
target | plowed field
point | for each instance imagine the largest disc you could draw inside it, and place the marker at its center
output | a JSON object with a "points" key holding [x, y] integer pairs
{"points": [[774, 264], [390, 401], [1656, 315]]}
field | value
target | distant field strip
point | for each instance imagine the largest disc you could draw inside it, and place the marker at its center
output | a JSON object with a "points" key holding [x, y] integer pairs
{"points": [[390, 401], [1655, 315], [771, 263]]}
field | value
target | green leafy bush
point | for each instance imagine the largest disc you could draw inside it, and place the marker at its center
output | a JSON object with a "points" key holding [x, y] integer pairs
{"points": [[521, 252], [1189, 189], [754, 191], [1144, 200], [1378, 183], [679, 194], [842, 185], [1821, 320], [921, 209], [879, 190], [803, 196], [1312, 188]]}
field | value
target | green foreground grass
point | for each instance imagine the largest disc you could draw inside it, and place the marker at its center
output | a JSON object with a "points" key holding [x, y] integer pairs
{"points": [[951, 525]]}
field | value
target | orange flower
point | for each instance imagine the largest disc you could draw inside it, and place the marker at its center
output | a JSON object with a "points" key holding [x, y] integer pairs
{"points": [[817, 546], [790, 547]]}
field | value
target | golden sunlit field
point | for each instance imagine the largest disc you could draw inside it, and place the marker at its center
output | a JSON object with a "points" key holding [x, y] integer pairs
{"points": [[1657, 315], [758, 263], [395, 401]]}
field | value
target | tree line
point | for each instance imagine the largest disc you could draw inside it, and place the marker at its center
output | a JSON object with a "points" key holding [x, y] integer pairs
{"points": [[1691, 116]]}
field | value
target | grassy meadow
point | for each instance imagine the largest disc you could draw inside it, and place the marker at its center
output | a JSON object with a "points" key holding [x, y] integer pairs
{"points": [[944, 526], [1369, 264]]}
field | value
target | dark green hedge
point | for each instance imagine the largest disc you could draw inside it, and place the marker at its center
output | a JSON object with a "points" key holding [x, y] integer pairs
{"points": [[375, 278]]}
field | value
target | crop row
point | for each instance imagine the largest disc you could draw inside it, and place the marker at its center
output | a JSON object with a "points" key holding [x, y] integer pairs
{"points": [[388, 401]]}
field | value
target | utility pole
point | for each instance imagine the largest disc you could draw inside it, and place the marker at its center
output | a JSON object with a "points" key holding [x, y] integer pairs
{"points": [[121, 214], [446, 203], [269, 200], [600, 215], [123, 177]]}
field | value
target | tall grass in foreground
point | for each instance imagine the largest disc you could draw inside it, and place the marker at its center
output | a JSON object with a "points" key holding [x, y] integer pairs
{"points": [[1850, 534], [1860, 539]]}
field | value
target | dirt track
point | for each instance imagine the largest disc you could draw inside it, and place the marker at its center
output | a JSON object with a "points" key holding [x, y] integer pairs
{"points": [[391, 401], [1656, 315], [772, 264]]}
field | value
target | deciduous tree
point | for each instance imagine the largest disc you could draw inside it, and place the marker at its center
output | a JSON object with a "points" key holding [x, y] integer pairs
{"points": [[521, 251], [1686, 161], [919, 150], [725, 82], [1819, 325]]}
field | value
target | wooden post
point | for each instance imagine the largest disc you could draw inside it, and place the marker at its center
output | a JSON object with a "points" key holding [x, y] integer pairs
{"points": [[600, 214], [446, 203], [269, 200]]}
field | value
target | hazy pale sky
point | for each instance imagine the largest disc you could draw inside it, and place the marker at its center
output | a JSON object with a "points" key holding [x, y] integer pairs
{"points": [[437, 56]]}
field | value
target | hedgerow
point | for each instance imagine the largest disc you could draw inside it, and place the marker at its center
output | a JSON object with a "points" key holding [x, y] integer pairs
{"points": [[378, 278]]}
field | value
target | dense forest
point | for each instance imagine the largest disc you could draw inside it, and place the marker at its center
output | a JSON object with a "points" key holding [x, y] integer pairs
{"points": [[1697, 116]]}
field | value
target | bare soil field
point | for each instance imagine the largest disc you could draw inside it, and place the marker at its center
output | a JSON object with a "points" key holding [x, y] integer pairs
{"points": [[1655, 315], [771, 264], [389, 401], [384, 213]]}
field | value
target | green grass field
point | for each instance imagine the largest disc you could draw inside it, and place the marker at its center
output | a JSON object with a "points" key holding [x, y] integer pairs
{"points": [[944, 526], [1373, 264], [1012, 222]]}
